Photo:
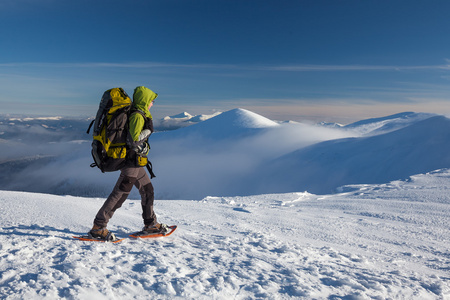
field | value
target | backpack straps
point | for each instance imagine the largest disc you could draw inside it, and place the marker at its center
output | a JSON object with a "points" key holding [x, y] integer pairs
{"points": [[135, 110], [90, 125], [150, 170]]}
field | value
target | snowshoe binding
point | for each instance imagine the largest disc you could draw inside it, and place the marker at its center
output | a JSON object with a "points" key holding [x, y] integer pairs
{"points": [[99, 235], [102, 234], [158, 228], [153, 231]]}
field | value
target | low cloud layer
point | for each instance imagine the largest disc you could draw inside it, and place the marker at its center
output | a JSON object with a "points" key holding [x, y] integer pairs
{"points": [[188, 163], [216, 158]]}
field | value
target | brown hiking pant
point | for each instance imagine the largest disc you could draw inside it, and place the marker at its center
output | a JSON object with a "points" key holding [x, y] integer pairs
{"points": [[129, 176]]}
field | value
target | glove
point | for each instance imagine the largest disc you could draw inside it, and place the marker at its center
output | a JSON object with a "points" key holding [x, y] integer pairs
{"points": [[143, 149]]}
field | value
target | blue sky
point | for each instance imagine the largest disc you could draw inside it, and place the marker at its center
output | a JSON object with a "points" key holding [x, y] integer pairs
{"points": [[331, 60]]}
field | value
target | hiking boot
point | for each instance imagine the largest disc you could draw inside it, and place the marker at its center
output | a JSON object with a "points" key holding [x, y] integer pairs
{"points": [[157, 228], [101, 233]]}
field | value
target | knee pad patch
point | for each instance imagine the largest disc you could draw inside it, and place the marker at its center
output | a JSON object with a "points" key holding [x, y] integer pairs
{"points": [[149, 189], [127, 184]]}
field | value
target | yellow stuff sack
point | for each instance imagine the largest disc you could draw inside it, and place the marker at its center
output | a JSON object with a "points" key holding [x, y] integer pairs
{"points": [[141, 161]]}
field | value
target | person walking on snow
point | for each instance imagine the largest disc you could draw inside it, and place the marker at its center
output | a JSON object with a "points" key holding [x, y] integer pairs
{"points": [[140, 128]]}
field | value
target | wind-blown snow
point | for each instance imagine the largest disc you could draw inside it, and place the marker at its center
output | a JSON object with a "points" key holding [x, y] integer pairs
{"points": [[388, 241]]}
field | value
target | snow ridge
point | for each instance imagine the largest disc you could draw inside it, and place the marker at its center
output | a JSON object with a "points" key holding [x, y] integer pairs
{"points": [[387, 124]]}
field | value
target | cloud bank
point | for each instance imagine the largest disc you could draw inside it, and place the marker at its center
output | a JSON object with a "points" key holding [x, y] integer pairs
{"points": [[237, 153]]}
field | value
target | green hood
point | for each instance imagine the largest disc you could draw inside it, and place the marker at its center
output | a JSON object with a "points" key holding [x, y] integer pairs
{"points": [[142, 97]]}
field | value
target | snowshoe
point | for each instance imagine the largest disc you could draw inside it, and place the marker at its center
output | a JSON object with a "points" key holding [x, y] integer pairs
{"points": [[102, 235], [99, 234], [160, 230]]}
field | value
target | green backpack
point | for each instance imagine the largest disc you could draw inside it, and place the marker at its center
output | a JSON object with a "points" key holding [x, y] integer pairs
{"points": [[109, 146]]}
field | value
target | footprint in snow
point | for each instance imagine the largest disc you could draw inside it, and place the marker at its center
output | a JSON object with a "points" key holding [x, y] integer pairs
{"points": [[242, 210]]}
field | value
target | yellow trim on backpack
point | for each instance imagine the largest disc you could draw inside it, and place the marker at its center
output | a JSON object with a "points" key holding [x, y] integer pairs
{"points": [[102, 139], [117, 152]]}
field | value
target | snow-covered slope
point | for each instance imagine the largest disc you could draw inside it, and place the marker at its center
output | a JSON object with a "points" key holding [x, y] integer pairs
{"points": [[321, 168], [234, 123], [387, 124], [388, 241]]}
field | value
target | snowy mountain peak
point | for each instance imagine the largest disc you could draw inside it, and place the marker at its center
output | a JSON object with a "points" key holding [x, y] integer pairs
{"points": [[233, 123], [183, 115], [180, 120], [330, 125], [243, 118]]}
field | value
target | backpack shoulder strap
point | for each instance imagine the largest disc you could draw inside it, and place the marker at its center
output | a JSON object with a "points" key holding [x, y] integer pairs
{"points": [[150, 170], [134, 110], [90, 125]]}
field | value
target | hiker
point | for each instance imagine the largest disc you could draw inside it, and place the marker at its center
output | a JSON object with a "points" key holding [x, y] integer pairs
{"points": [[133, 173]]}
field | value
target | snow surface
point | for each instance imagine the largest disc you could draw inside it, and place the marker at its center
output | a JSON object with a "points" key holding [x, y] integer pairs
{"points": [[388, 241], [321, 168], [386, 124]]}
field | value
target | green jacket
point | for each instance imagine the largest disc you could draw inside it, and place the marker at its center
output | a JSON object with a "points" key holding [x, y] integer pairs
{"points": [[142, 98]]}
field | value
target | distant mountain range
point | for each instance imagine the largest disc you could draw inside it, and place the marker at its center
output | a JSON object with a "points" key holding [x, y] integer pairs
{"points": [[237, 152]]}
